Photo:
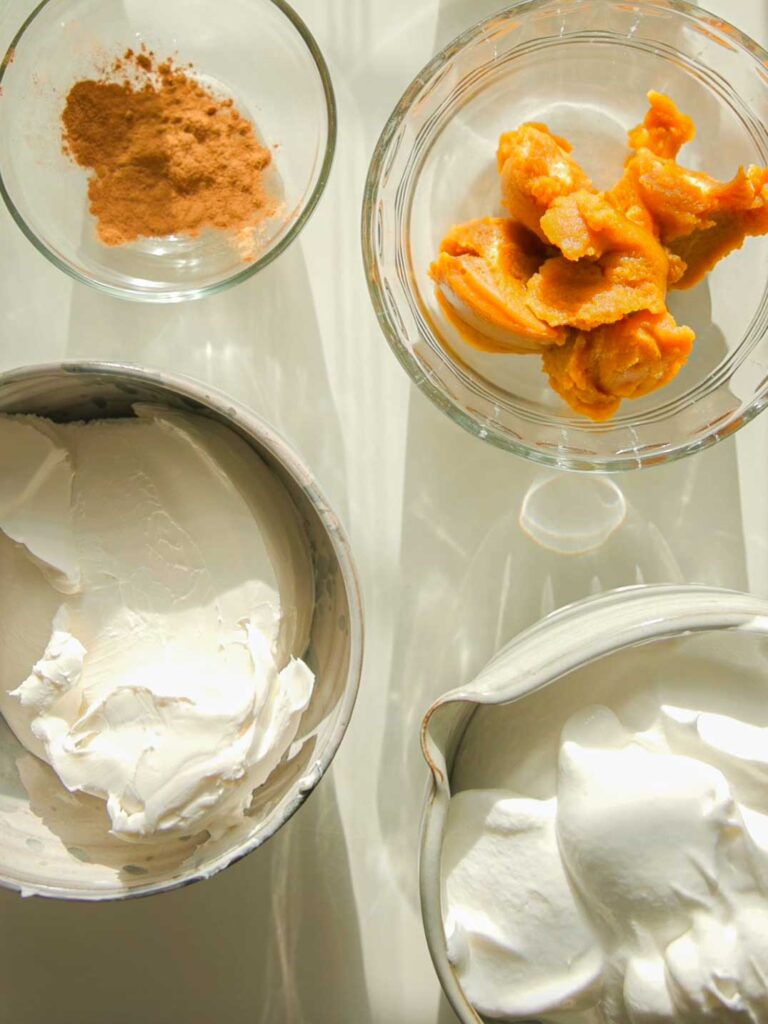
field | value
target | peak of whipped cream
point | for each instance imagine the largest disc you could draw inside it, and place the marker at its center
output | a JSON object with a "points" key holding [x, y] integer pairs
{"points": [[636, 894], [156, 601]]}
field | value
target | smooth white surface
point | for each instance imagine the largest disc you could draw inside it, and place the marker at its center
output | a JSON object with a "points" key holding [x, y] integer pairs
{"points": [[322, 924], [657, 825]]}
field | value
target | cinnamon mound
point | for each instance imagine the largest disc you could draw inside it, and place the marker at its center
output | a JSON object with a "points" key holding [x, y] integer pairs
{"points": [[167, 156]]}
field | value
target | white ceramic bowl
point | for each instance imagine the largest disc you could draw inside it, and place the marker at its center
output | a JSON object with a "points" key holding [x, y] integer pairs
{"points": [[53, 843], [712, 621]]}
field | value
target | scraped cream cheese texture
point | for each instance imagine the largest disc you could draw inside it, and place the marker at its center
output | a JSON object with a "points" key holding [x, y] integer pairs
{"points": [[638, 894], [155, 602]]}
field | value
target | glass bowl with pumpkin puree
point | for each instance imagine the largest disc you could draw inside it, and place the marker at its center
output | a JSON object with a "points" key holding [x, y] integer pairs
{"points": [[564, 231]]}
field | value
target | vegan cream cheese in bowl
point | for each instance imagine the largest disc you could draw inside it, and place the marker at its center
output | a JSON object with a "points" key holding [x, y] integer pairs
{"points": [[595, 845], [157, 606]]}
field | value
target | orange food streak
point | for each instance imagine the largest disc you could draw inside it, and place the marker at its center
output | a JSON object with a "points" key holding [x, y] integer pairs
{"points": [[485, 266], [582, 276], [165, 155], [593, 371]]}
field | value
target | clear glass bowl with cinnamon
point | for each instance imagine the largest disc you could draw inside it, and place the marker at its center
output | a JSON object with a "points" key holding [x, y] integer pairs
{"points": [[159, 153]]}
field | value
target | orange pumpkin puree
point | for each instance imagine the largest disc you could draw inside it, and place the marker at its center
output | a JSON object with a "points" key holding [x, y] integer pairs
{"points": [[482, 273], [581, 276], [595, 369], [536, 168], [610, 266]]}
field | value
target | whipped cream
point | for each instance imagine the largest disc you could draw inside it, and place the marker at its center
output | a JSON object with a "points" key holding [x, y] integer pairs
{"points": [[637, 892], [156, 597]]}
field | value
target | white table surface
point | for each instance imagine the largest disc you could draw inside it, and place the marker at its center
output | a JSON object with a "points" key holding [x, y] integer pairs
{"points": [[323, 924]]}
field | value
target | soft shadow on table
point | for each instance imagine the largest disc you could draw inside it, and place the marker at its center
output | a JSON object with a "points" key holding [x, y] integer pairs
{"points": [[483, 556], [491, 543], [274, 938], [259, 342], [445, 1014], [25, 320], [458, 15]]}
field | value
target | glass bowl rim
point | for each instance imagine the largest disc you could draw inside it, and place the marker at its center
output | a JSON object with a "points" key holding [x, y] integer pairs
{"points": [[489, 433], [182, 294]]}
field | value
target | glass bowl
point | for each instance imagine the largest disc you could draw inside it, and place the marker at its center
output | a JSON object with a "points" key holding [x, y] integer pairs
{"points": [[674, 636], [258, 52], [584, 68], [58, 844]]}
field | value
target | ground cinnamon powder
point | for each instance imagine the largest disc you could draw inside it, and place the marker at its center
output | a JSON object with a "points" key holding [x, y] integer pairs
{"points": [[168, 157]]}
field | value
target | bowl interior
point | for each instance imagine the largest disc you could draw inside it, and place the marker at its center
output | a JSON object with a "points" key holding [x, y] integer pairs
{"points": [[721, 671], [251, 50], [58, 843], [585, 70]]}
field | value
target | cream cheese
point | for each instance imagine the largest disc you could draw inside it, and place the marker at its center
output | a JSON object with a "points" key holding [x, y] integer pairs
{"points": [[35, 500], [155, 602], [644, 900]]}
